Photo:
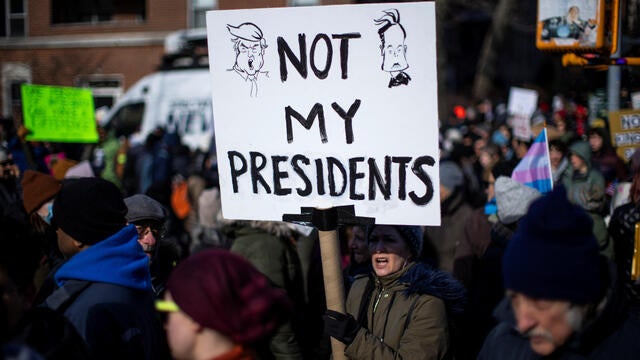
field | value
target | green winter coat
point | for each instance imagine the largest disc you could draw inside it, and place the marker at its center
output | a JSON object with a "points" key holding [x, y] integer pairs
{"points": [[588, 191], [406, 315], [268, 247]]}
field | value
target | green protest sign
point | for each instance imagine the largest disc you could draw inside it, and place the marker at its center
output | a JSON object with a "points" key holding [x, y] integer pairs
{"points": [[59, 114]]}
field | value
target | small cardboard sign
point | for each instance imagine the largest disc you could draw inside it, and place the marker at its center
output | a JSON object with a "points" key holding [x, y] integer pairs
{"points": [[340, 110], [522, 104], [59, 114]]}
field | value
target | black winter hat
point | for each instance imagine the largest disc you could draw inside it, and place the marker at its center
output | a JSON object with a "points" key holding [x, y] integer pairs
{"points": [[89, 209], [554, 254]]}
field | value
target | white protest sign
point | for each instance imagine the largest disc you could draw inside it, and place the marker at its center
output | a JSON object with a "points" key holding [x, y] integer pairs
{"points": [[312, 109], [522, 104]]}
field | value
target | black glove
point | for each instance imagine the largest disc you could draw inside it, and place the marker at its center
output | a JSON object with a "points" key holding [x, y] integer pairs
{"points": [[342, 327]]}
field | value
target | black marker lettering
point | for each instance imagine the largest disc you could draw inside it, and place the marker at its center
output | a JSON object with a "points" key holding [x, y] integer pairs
{"points": [[234, 171], [321, 74], [344, 50], [348, 118], [402, 162], [255, 171], [422, 175], [320, 177], [278, 175], [299, 64], [307, 184], [316, 111], [354, 175], [376, 178], [331, 164]]}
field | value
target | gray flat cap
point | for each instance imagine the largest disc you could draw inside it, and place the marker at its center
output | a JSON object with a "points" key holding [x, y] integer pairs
{"points": [[142, 207]]}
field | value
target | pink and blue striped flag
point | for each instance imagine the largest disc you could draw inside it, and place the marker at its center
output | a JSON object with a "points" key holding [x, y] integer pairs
{"points": [[535, 167]]}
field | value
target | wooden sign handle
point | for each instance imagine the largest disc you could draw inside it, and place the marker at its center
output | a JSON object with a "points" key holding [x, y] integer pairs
{"points": [[333, 281]]}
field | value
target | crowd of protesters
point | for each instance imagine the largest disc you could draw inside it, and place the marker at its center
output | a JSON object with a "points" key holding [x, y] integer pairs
{"points": [[119, 250]]}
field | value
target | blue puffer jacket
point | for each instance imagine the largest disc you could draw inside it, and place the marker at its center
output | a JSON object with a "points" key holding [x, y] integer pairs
{"points": [[105, 292]]}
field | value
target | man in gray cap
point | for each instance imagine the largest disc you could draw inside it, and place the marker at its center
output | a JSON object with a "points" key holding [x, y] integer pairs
{"points": [[149, 217]]}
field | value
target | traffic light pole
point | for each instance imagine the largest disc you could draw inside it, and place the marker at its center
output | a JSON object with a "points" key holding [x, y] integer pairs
{"points": [[613, 72]]}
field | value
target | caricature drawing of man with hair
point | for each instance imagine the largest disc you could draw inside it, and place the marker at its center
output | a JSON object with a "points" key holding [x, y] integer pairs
{"points": [[392, 47], [249, 45]]}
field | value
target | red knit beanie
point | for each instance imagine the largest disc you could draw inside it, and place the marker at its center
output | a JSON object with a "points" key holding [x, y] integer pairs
{"points": [[222, 291], [37, 189]]}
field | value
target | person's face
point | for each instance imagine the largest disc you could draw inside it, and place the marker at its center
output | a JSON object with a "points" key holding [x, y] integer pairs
{"points": [[389, 251], [148, 235], [181, 332], [561, 125], [250, 56], [8, 170], [574, 13], [491, 187], [358, 246], [478, 145], [67, 245], [544, 322], [595, 141], [576, 162], [394, 51], [555, 156]]}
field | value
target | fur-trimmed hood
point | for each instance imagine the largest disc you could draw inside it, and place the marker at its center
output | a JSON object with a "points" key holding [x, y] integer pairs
{"points": [[423, 279]]}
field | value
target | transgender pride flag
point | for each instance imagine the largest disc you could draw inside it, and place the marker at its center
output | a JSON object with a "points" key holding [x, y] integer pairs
{"points": [[535, 167]]}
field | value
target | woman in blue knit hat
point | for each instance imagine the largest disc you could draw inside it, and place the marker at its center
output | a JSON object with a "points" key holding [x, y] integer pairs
{"points": [[403, 309]]}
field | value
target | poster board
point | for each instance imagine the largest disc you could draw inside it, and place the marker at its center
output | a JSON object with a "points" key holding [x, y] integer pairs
{"points": [[320, 114], [571, 25], [58, 114], [521, 106], [625, 132]]}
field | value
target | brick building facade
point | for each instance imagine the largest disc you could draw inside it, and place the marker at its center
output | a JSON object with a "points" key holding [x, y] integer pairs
{"points": [[103, 45]]}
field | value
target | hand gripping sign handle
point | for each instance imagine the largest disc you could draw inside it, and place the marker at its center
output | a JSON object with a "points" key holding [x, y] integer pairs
{"points": [[327, 222]]}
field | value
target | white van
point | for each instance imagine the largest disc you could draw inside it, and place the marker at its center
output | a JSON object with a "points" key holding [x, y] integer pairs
{"points": [[176, 98]]}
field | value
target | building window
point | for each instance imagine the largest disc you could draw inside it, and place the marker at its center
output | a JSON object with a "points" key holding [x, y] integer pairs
{"points": [[199, 10], [304, 2], [96, 11], [13, 75], [106, 89], [13, 14]]}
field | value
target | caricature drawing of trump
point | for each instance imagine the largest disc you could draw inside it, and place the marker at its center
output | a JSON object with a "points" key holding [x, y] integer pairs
{"points": [[392, 47], [249, 45]]}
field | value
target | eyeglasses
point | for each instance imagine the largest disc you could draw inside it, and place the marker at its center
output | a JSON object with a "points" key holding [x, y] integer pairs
{"points": [[143, 230]]}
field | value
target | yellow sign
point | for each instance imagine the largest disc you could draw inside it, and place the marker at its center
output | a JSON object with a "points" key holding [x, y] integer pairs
{"points": [[59, 114], [625, 131]]}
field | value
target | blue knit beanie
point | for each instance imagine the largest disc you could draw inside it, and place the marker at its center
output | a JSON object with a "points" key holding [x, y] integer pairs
{"points": [[553, 254]]}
